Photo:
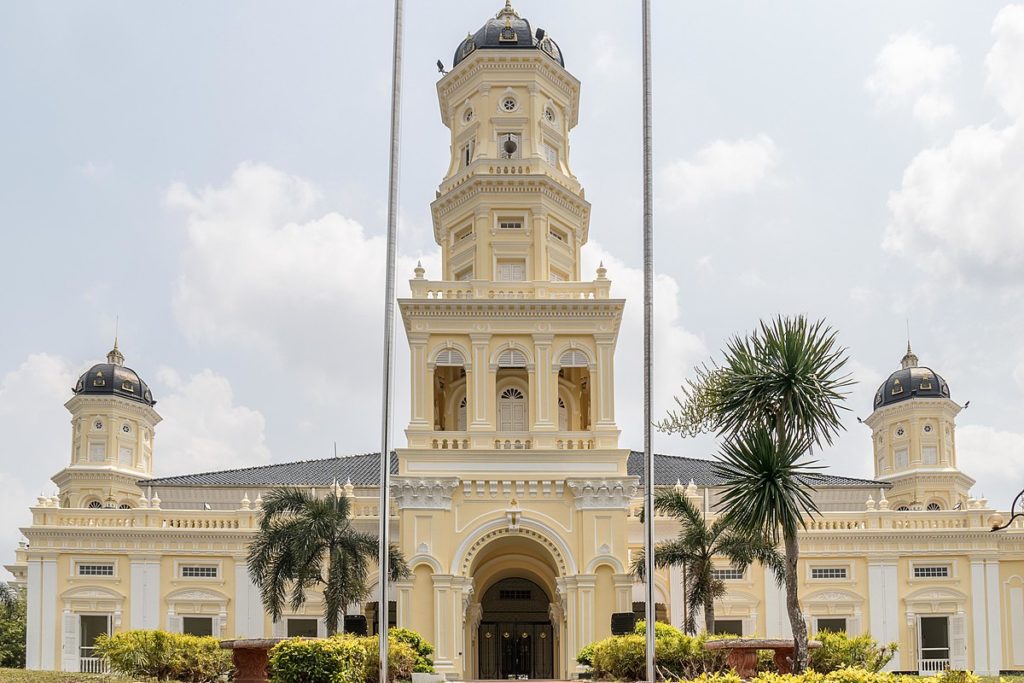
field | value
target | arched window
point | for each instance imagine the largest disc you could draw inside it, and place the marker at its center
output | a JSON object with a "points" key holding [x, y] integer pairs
{"points": [[574, 358], [934, 507], [512, 410], [563, 416], [450, 358], [460, 417], [94, 505], [512, 358]]}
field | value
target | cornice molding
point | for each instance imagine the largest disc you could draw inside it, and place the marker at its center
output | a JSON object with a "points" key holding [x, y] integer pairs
{"points": [[422, 493]]}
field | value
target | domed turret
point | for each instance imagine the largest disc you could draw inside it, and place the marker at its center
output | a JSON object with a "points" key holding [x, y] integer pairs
{"points": [[915, 440], [114, 379], [507, 31], [911, 381]]}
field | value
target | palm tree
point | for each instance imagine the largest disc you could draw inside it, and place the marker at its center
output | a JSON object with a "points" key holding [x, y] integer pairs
{"points": [[777, 394], [697, 544], [308, 542]]}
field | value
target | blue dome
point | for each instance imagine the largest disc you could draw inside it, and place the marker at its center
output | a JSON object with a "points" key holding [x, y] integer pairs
{"points": [[911, 381], [508, 31], [114, 379]]}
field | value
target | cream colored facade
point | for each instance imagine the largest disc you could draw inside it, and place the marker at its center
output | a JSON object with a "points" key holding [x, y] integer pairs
{"points": [[513, 500]]}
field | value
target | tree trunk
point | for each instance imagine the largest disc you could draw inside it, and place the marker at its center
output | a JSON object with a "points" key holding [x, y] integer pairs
{"points": [[796, 617], [709, 614]]}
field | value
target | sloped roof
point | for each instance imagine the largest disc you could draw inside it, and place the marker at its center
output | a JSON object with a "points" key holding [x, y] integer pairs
{"points": [[363, 470]]}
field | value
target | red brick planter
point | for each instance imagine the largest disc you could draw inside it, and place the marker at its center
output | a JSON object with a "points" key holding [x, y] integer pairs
{"points": [[250, 657]]}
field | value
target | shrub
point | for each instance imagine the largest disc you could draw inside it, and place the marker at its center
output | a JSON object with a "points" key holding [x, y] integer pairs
{"points": [[164, 656], [401, 660], [424, 662], [334, 660], [661, 630], [620, 658], [840, 651], [586, 656]]}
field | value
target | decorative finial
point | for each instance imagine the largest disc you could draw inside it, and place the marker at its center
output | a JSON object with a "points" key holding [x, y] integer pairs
{"points": [[246, 503], [258, 503], [910, 359], [870, 504], [154, 501], [115, 357], [349, 488], [418, 271], [601, 271], [507, 10], [678, 488]]}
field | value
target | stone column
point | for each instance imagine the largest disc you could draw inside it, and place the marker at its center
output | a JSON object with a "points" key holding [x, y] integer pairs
{"points": [[480, 380], [603, 381], [420, 386], [482, 264], [676, 588], [541, 263], [623, 592], [48, 604], [34, 617], [544, 399], [585, 585], [568, 595], [403, 600], [445, 623]]}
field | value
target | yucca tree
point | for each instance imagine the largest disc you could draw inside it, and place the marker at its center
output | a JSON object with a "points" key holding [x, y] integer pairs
{"points": [[695, 548], [307, 542], [777, 394]]}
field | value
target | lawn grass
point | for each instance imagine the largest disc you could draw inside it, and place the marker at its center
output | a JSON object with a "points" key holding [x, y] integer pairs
{"points": [[22, 676]]}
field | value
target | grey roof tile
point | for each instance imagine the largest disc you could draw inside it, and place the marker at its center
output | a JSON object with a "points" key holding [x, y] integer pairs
{"points": [[363, 470]]}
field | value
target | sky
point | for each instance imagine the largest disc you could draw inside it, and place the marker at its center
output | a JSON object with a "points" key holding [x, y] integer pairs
{"points": [[213, 177]]}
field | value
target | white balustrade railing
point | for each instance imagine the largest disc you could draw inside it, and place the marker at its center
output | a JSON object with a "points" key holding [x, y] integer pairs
{"points": [[485, 289]]}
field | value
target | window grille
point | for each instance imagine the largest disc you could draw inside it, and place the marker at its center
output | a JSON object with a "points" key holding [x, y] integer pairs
{"points": [[574, 358], [828, 572], [512, 359], [929, 455], [199, 572], [94, 505], [727, 574], [514, 595], [512, 271], [512, 393], [510, 224], [96, 570], [450, 357], [933, 572], [934, 507]]}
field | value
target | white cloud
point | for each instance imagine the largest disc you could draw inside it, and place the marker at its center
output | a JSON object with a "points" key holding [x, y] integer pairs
{"points": [[267, 269], [959, 212], [676, 350], [911, 71], [995, 458], [722, 168], [36, 433], [203, 429], [1006, 60]]}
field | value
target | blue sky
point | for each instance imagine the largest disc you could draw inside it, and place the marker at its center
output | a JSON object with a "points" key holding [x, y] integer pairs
{"points": [[214, 174]]}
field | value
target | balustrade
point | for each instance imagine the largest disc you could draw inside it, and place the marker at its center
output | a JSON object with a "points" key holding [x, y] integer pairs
{"points": [[483, 289]]}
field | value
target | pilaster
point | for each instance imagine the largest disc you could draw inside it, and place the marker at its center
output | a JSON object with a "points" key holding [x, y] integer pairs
{"points": [[420, 377], [482, 384], [544, 400], [604, 400], [249, 621]]}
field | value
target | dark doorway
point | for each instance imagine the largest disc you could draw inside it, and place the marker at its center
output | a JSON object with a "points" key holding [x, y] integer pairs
{"points": [[516, 638]]}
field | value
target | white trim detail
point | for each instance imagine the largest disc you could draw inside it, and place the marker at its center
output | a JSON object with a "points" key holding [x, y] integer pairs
{"points": [[145, 593]]}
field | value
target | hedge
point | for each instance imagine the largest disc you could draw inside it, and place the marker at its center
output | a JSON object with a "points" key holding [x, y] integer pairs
{"points": [[165, 656]]}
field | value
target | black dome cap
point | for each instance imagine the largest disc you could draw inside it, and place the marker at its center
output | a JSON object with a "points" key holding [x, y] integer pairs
{"points": [[114, 379], [508, 31], [911, 381]]}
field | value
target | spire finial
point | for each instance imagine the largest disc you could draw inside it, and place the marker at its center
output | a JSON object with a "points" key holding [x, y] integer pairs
{"points": [[508, 11], [115, 357], [910, 358]]}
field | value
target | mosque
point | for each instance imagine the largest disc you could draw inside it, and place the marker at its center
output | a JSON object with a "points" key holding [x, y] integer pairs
{"points": [[513, 500]]}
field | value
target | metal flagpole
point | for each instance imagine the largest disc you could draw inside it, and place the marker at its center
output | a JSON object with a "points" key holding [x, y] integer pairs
{"points": [[383, 605], [649, 612]]}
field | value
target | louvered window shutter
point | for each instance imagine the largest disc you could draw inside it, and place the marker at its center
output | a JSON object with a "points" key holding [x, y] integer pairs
{"points": [[450, 357], [957, 642], [69, 642], [573, 358], [512, 359]]}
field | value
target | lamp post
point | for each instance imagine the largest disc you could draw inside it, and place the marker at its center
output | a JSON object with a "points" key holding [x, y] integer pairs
{"points": [[1016, 510]]}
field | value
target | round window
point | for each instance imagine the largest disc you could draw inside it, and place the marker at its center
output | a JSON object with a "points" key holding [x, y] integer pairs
{"points": [[899, 432], [126, 428], [927, 428], [549, 115], [509, 104], [98, 424], [467, 115]]}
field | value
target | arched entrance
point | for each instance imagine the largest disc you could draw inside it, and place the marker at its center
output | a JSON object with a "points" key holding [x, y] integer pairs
{"points": [[515, 637], [514, 622]]}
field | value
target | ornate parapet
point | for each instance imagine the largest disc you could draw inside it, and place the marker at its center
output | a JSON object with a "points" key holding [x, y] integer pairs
{"points": [[423, 493], [603, 494]]}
